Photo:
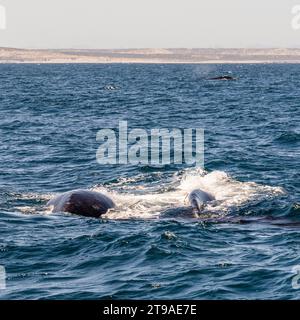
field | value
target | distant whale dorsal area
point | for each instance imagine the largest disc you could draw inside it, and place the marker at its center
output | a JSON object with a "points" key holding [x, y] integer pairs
{"points": [[223, 78]]}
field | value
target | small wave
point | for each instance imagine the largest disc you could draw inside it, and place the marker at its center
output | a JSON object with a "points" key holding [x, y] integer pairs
{"points": [[288, 137], [26, 203], [111, 87], [294, 210]]}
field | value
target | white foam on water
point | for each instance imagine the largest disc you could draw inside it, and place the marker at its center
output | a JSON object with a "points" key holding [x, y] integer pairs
{"points": [[33, 209], [33, 196], [148, 203]]}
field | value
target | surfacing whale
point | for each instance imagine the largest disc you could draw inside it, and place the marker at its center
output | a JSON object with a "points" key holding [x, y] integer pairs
{"points": [[223, 78], [196, 201], [82, 202], [95, 204]]}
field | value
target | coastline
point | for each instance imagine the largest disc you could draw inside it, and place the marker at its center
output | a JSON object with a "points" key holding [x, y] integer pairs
{"points": [[149, 56], [149, 62]]}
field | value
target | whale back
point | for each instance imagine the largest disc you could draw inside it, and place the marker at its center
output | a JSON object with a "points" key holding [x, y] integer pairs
{"points": [[82, 202]]}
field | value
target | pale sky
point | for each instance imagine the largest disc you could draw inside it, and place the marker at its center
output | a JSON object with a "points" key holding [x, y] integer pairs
{"points": [[148, 23]]}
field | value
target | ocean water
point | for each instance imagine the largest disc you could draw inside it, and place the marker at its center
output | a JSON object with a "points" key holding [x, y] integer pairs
{"points": [[247, 246]]}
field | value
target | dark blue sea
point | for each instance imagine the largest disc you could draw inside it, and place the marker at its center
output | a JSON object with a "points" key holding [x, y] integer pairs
{"points": [[246, 246]]}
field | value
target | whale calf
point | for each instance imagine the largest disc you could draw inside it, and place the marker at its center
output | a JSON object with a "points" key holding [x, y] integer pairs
{"points": [[82, 202], [197, 200], [195, 203]]}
